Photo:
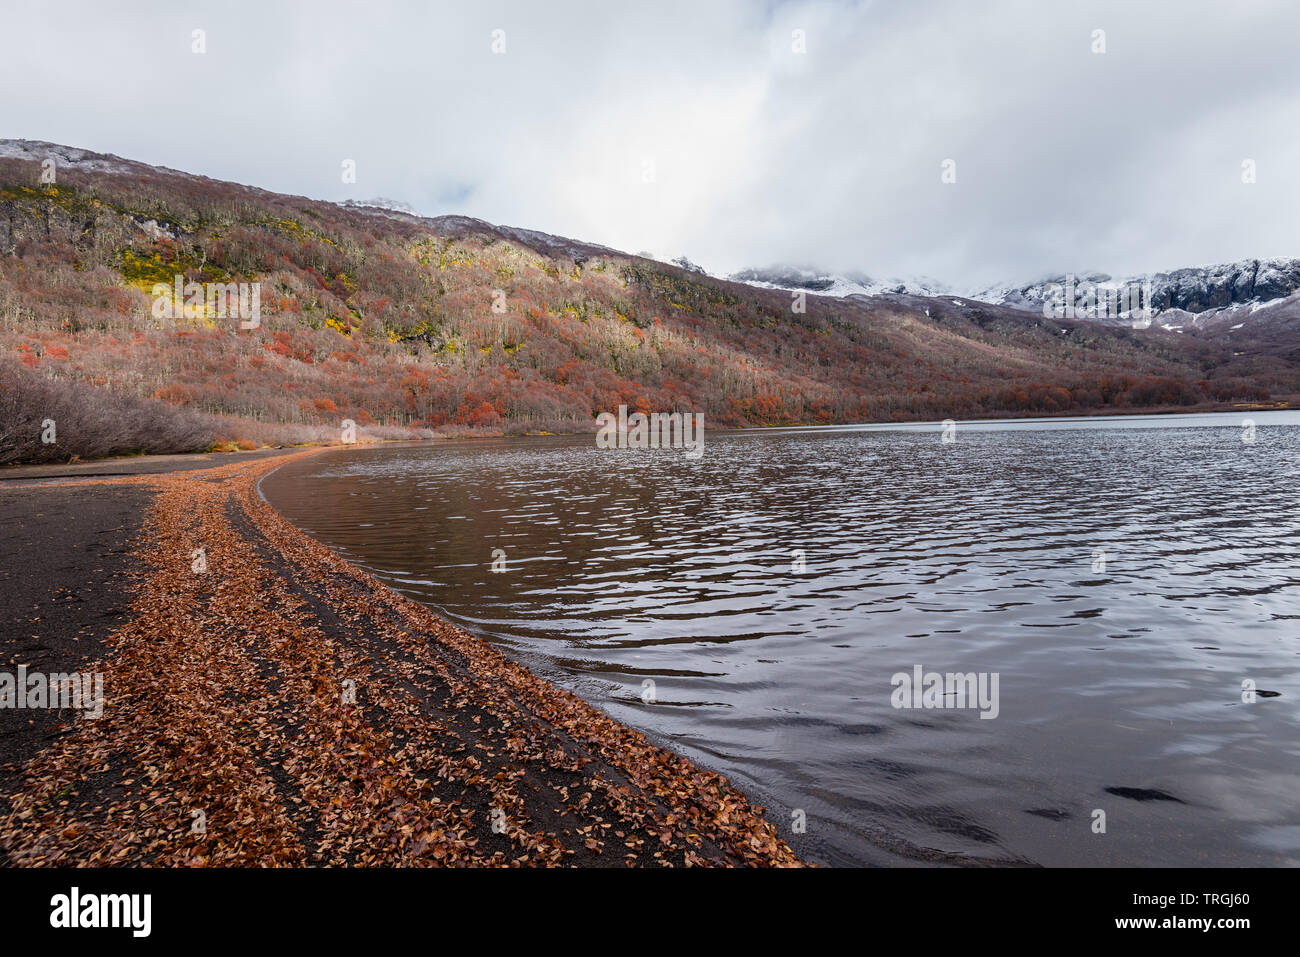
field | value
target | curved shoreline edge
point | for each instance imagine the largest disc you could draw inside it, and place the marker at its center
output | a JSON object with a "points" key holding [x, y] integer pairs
{"points": [[282, 707]]}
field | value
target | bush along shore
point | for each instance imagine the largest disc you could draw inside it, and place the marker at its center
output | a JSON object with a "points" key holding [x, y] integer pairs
{"points": [[266, 703]]}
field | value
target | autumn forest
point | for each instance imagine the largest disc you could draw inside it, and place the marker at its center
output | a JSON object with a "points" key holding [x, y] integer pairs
{"points": [[423, 327]]}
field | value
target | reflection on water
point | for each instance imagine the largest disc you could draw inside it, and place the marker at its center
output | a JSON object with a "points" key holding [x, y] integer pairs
{"points": [[1121, 581]]}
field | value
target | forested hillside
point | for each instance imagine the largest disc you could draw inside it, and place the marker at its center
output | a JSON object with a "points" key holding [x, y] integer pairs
{"points": [[402, 323]]}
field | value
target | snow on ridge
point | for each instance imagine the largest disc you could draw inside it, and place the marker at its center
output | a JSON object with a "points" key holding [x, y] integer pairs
{"points": [[839, 286], [1202, 291], [380, 202], [64, 156], [1205, 293]]}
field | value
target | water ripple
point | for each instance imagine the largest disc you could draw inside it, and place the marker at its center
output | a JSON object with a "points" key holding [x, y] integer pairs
{"points": [[1121, 581]]}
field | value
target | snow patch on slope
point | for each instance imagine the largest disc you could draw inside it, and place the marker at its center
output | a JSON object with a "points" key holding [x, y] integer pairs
{"points": [[830, 284], [380, 202], [71, 157]]}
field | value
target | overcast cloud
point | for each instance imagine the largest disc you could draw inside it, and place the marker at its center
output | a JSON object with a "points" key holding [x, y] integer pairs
{"points": [[1066, 160]]}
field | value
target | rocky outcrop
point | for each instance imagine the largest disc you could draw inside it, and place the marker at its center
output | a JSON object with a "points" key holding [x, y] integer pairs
{"points": [[1214, 287], [1194, 290]]}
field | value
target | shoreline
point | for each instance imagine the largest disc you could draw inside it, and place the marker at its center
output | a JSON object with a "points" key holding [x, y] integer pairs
{"points": [[304, 714], [144, 463]]}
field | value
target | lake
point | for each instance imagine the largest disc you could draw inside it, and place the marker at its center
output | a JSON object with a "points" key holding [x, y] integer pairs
{"points": [[1129, 587]]}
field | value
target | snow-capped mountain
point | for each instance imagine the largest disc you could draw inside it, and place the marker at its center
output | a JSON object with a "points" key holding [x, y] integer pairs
{"points": [[1226, 296], [1196, 295], [829, 284], [380, 202], [1194, 290]]}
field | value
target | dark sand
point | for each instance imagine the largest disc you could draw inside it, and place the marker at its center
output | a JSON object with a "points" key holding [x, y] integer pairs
{"points": [[64, 564], [224, 697], [65, 568]]}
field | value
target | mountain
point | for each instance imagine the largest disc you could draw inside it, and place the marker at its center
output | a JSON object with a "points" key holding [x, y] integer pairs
{"points": [[379, 203], [829, 284], [1197, 290], [1193, 295], [411, 325]]}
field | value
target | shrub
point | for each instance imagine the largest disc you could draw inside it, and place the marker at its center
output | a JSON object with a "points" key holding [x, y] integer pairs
{"points": [[88, 422]]}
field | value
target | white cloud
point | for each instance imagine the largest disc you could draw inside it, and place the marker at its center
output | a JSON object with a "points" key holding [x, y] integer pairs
{"points": [[1067, 160]]}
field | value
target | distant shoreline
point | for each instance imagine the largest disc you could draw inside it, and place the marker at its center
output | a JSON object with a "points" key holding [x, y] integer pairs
{"points": [[124, 465]]}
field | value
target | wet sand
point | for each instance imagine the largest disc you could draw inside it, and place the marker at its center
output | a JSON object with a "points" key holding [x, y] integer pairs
{"points": [[280, 707]]}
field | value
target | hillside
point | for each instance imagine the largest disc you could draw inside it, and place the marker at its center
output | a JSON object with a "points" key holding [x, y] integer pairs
{"points": [[407, 324]]}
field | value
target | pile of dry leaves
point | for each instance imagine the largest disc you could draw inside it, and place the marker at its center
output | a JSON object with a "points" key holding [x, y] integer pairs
{"points": [[269, 704]]}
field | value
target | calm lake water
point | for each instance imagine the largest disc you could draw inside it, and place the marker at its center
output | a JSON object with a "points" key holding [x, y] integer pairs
{"points": [[1121, 577]]}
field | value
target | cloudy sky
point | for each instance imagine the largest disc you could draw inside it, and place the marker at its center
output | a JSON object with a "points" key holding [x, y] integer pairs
{"points": [[712, 128]]}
